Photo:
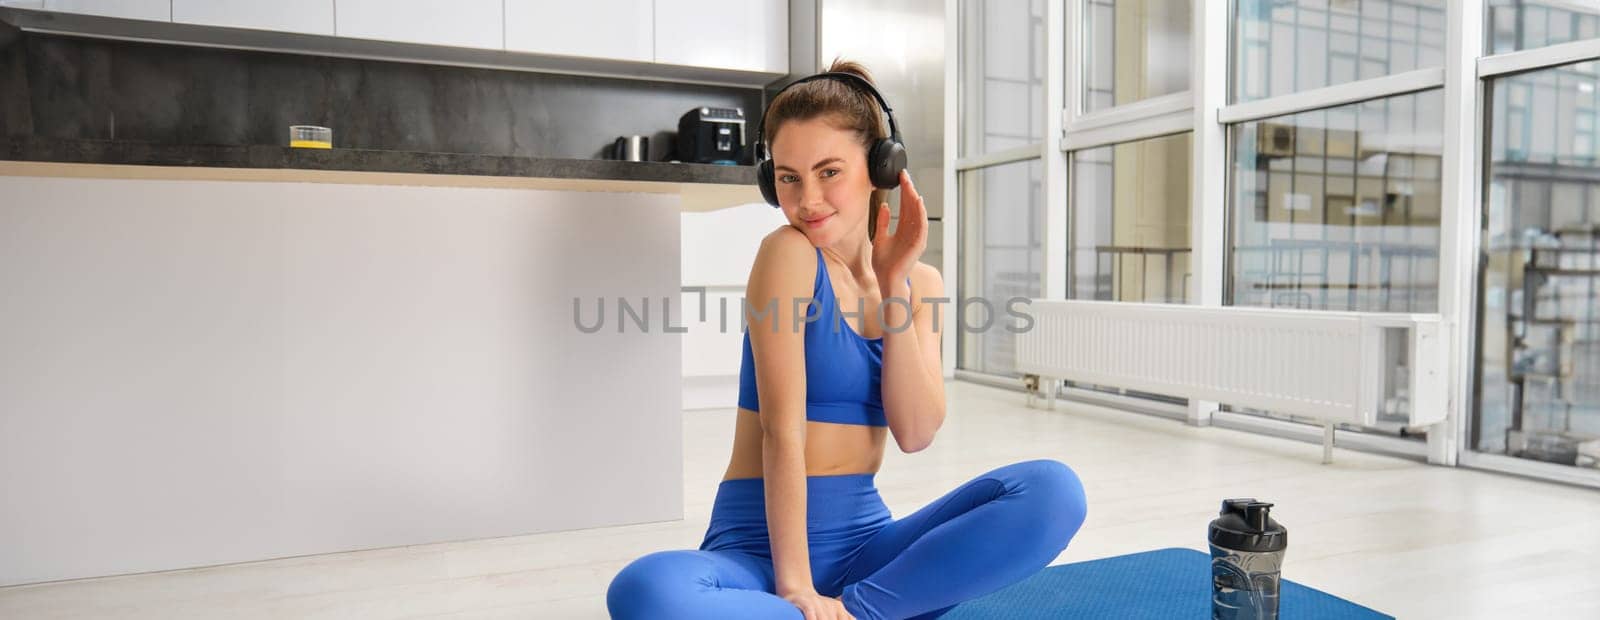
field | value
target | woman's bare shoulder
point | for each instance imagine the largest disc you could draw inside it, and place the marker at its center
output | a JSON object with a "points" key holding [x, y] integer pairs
{"points": [[785, 238], [785, 254]]}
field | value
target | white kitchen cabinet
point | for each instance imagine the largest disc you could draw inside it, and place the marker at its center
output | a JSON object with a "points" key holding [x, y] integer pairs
{"points": [[459, 23], [718, 248], [425, 383], [303, 16], [713, 347], [749, 35], [733, 41], [612, 29], [155, 10]]}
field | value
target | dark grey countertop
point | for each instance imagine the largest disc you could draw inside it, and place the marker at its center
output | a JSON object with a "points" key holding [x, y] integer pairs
{"points": [[33, 149]]}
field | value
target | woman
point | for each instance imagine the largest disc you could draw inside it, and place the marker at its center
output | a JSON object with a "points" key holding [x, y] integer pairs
{"points": [[798, 529]]}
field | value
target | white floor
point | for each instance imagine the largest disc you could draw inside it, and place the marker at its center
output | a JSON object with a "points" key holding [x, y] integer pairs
{"points": [[1408, 539]]}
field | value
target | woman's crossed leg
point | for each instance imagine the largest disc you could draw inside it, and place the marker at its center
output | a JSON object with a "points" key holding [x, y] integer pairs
{"points": [[990, 532]]}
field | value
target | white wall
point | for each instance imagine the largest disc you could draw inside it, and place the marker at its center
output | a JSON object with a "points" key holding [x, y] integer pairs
{"points": [[203, 372]]}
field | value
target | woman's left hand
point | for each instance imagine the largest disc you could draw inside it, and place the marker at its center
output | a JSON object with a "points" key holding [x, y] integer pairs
{"points": [[894, 255]]}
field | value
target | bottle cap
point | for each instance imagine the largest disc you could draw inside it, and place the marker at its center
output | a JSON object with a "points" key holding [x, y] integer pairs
{"points": [[1245, 524]]}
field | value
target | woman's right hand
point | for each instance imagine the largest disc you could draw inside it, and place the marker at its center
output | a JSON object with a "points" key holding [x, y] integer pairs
{"points": [[818, 607]]}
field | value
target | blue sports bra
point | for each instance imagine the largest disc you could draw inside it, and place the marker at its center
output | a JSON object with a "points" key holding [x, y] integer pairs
{"points": [[844, 371]]}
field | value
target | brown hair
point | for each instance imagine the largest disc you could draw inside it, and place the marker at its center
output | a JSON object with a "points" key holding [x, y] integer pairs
{"points": [[845, 106]]}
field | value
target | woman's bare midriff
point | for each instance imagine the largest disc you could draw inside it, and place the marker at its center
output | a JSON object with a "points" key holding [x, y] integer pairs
{"points": [[831, 449]]}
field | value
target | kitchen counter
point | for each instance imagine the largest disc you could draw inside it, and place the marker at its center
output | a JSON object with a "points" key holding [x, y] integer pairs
{"points": [[312, 359], [701, 186]]}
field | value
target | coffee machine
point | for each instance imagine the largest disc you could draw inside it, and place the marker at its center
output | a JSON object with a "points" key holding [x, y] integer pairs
{"points": [[710, 135]]}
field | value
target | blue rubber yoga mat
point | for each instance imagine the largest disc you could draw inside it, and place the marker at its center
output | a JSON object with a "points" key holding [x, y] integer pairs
{"points": [[1164, 584]]}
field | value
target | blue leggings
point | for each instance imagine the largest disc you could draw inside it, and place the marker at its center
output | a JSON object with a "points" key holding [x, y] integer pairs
{"points": [[991, 532]]}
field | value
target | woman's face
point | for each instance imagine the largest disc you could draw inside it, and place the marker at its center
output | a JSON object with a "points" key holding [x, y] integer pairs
{"points": [[821, 176]]}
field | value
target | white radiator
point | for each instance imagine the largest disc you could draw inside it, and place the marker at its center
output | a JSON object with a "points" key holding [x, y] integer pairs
{"points": [[1326, 365]]}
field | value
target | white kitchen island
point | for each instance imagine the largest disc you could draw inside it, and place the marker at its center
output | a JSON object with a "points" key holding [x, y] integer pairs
{"points": [[202, 366]]}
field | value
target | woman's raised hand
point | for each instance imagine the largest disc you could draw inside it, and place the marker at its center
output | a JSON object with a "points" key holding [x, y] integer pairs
{"points": [[894, 255]]}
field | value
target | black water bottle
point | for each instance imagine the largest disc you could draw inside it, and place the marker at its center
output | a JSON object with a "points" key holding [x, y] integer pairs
{"points": [[1246, 554]]}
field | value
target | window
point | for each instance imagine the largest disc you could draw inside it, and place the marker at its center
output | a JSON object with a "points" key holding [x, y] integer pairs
{"points": [[1338, 209], [1539, 308], [1002, 75], [1129, 236], [1003, 257], [1288, 46], [1134, 50], [1527, 24], [1000, 176]]}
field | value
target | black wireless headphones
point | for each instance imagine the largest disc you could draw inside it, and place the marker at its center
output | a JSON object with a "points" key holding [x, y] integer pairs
{"points": [[886, 157]]}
